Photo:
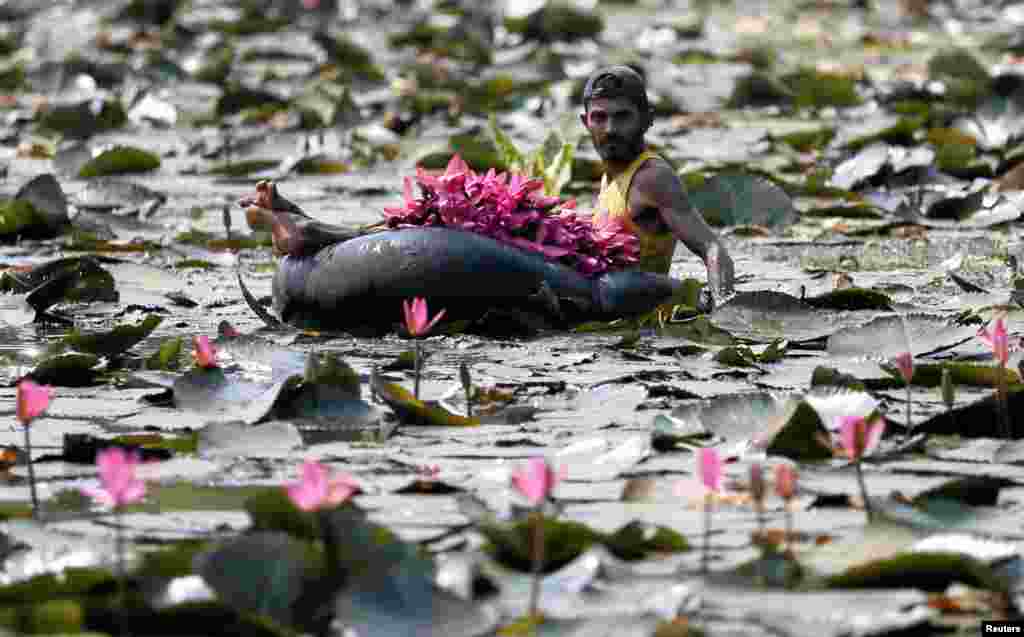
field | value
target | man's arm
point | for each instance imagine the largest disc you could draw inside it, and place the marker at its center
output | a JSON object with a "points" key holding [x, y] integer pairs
{"points": [[656, 185]]}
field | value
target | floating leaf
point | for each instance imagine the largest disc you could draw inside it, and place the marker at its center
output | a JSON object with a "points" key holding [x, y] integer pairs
{"points": [[884, 337], [417, 412], [856, 170], [637, 540], [975, 375], [73, 369], [83, 119], [119, 160], [267, 586], [273, 510], [730, 199], [115, 342], [767, 315], [167, 357], [851, 299], [272, 439], [965, 78], [930, 571], [47, 199], [802, 437]]}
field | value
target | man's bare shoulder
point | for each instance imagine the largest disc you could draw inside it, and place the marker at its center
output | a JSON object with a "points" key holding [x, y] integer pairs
{"points": [[656, 181]]}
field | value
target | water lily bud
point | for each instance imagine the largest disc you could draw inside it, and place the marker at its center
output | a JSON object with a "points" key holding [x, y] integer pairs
{"points": [[905, 365], [757, 482], [948, 394], [785, 481]]}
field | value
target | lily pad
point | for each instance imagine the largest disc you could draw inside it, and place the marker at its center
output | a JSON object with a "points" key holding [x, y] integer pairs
{"points": [[267, 586], [73, 369], [766, 315], [115, 342], [731, 199], [417, 412], [119, 160], [851, 299], [272, 439], [885, 337], [47, 199], [564, 541]]}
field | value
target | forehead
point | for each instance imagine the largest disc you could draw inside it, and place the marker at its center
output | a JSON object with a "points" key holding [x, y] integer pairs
{"points": [[611, 104]]}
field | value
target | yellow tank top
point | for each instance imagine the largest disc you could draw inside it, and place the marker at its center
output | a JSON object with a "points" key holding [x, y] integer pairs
{"points": [[656, 248]]}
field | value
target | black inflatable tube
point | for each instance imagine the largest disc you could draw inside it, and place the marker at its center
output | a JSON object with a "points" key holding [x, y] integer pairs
{"points": [[363, 280]]}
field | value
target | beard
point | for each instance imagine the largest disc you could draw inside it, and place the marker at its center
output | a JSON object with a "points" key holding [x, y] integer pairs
{"points": [[620, 149]]}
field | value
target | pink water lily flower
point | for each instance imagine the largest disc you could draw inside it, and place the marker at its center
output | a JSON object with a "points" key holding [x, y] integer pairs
{"points": [[710, 468], [511, 208], [32, 400], [416, 316], [317, 490], [997, 341], [860, 437], [118, 484], [785, 481], [537, 480], [203, 352], [905, 365]]}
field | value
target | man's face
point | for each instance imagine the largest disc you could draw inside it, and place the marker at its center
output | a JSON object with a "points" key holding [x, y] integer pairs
{"points": [[616, 127]]}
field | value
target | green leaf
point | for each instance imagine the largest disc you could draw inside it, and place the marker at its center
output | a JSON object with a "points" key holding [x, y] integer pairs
{"points": [[507, 150], [417, 412], [272, 510], [268, 585], [17, 217], [564, 541], [930, 374], [559, 172], [167, 357], [637, 540], [928, 571], [73, 369], [60, 616], [115, 342], [118, 161], [851, 299], [802, 437]]}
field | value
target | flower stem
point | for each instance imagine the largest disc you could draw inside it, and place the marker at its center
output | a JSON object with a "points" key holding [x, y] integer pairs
{"points": [[323, 520], [119, 547], [1004, 411], [863, 489], [537, 544], [760, 521], [31, 473], [417, 366], [707, 535], [908, 407], [789, 525]]}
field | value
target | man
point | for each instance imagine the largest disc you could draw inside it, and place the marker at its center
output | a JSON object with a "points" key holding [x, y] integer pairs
{"points": [[640, 187]]}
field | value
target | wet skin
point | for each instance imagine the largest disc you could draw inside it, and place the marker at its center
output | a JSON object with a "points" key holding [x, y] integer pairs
{"points": [[657, 200]]}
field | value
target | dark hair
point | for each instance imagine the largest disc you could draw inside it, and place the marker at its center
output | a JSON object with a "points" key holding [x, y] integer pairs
{"points": [[616, 81]]}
